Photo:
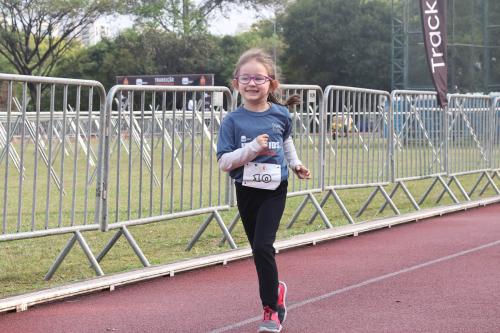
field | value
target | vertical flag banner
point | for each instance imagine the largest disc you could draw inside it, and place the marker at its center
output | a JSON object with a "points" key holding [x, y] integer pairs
{"points": [[433, 13]]}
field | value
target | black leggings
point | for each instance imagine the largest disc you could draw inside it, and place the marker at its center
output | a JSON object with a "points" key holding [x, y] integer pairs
{"points": [[261, 212]]}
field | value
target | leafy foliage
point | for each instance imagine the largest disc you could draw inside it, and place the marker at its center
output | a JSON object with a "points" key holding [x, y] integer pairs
{"points": [[35, 34], [338, 42], [187, 17]]}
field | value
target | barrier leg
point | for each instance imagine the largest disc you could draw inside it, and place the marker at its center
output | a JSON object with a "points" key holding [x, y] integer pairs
{"points": [[409, 196], [367, 202], [204, 226], [429, 189], [342, 206], [389, 200], [447, 189], [109, 245], [135, 247], [492, 181], [89, 254], [443, 191], [60, 258], [297, 212], [222, 226], [489, 182], [391, 195], [477, 184], [321, 204], [200, 231], [77, 236], [320, 211], [231, 227]]}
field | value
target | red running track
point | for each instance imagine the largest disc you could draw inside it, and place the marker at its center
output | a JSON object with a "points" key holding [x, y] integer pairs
{"points": [[437, 275]]}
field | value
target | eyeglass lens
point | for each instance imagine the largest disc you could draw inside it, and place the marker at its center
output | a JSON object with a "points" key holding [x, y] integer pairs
{"points": [[258, 79]]}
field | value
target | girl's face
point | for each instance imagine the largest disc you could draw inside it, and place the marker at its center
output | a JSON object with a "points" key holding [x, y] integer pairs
{"points": [[253, 93]]}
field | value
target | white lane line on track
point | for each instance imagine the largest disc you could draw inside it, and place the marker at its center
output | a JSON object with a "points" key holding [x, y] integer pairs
{"points": [[359, 285]]}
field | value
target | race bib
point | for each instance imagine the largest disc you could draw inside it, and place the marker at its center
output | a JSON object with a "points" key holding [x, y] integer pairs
{"points": [[262, 175]]}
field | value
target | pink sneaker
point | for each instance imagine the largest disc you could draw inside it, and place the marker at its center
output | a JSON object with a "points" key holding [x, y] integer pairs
{"points": [[281, 301], [270, 322]]}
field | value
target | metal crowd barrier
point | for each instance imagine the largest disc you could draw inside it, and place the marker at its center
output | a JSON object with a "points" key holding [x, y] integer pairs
{"points": [[160, 158], [469, 138], [495, 139], [357, 143], [419, 145], [308, 124], [149, 152], [50, 155]]}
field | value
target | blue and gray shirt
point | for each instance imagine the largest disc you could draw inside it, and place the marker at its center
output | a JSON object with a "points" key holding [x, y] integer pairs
{"points": [[242, 126]]}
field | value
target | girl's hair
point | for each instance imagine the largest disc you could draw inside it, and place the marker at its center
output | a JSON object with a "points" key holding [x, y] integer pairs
{"points": [[266, 60]]}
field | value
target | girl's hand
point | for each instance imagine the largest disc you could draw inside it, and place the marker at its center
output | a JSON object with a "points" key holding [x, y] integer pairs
{"points": [[263, 140], [302, 172]]}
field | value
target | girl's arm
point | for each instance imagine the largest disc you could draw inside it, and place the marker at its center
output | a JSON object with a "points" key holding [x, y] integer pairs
{"points": [[291, 153], [293, 160], [241, 156]]}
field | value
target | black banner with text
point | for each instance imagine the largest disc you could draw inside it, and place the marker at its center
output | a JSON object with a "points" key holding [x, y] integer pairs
{"points": [[435, 41]]}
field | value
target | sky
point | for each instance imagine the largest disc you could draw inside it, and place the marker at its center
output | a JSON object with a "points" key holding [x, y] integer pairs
{"points": [[228, 24]]}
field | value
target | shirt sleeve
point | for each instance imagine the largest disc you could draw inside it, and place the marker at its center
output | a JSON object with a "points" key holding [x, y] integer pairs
{"points": [[232, 160], [291, 153]]}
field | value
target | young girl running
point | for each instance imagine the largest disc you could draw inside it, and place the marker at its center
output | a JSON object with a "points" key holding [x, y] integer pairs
{"points": [[254, 146]]}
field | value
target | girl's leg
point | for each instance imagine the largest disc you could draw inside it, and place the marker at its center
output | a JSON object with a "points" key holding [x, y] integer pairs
{"points": [[249, 201], [268, 220], [261, 212]]}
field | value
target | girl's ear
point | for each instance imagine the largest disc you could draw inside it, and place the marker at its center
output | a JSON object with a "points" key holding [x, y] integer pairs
{"points": [[273, 85], [234, 82]]}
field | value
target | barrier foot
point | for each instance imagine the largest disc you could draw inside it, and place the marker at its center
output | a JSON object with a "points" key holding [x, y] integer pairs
{"points": [[204, 226], [297, 212], [77, 236], [477, 184], [495, 174], [447, 189], [342, 207], [490, 179], [135, 247], [109, 245], [321, 205], [367, 202], [389, 200], [391, 195], [429, 189], [200, 231], [462, 189], [409, 196], [491, 182], [89, 254], [235, 220], [60, 258], [320, 211], [222, 226]]}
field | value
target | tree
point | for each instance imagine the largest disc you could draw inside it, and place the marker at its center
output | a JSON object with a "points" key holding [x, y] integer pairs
{"points": [[5, 66], [128, 54], [338, 42], [34, 34], [187, 17]]}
